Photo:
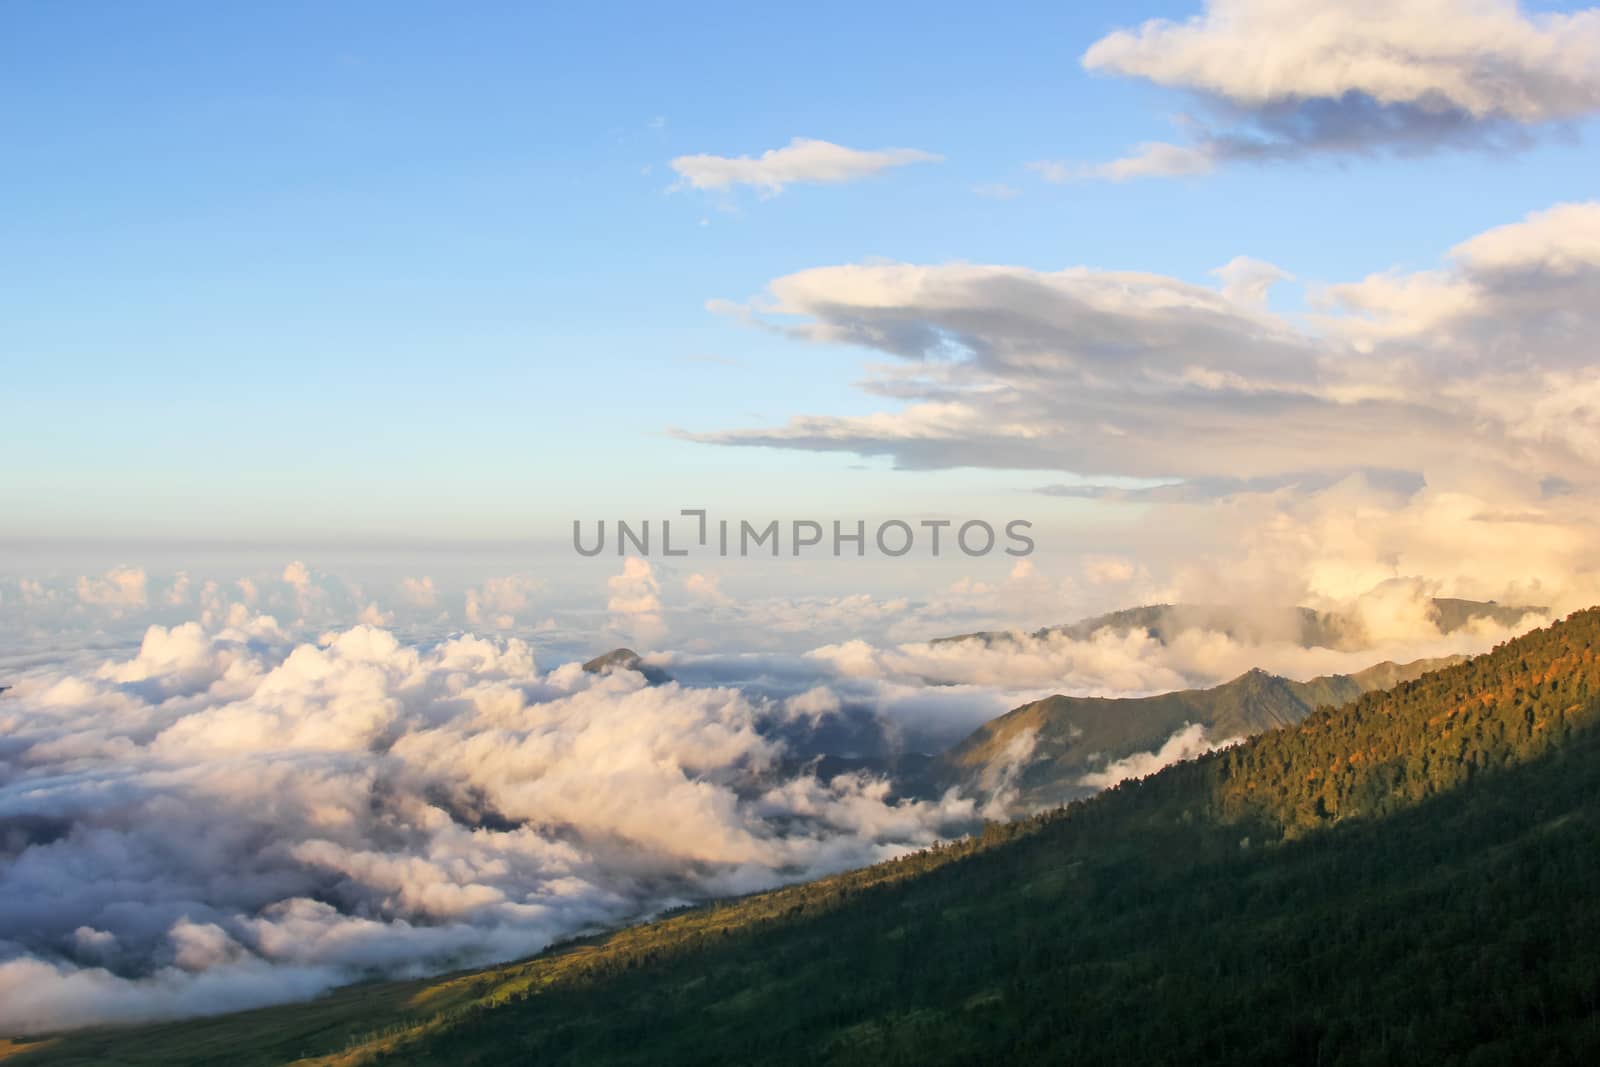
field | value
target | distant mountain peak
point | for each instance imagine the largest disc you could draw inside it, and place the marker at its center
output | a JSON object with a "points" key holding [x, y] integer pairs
{"points": [[626, 659], [1047, 747], [1307, 627]]}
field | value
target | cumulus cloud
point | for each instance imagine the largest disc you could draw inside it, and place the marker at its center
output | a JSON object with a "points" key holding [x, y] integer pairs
{"points": [[1394, 619], [1109, 570], [1106, 664], [1286, 78], [1519, 295], [120, 587], [31, 591], [707, 589], [230, 818], [801, 161], [298, 576], [498, 601], [634, 601], [372, 615], [419, 592], [309, 598], [178, 592], [1247, 281]]}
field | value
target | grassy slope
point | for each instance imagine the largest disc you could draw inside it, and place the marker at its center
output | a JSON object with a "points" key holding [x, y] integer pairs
{"points": [[1419, 883]]}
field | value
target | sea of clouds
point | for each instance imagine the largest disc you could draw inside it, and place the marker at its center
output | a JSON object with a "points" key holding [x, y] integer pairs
{"points": [[228, 811], [232, 817]]}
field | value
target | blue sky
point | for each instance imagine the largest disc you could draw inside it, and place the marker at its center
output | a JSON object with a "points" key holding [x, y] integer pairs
{"points": [[323, 271]]}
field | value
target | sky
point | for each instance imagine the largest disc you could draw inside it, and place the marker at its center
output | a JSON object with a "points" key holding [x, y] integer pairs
{"points": [[322, 325], [307, 274]]}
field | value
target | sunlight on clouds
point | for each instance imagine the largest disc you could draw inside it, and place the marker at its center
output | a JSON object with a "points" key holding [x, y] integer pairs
{"points": [[801, 161], [1288, 78], [1185, 744], [635, 601], [118, 587], [1263, 429], [230, 818]]}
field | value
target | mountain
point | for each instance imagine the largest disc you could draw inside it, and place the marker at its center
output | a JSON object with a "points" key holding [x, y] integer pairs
{"points": [[1299, 625], [1042, 752], [626, 659], [1408, 878], [1038, 754]]}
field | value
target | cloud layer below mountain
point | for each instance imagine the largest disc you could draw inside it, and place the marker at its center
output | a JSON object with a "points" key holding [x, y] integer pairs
{"points": [[230, 817]]}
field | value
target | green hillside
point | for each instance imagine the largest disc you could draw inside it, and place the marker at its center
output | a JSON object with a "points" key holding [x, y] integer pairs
{"points": [[1043, 750], [1409, 878]]}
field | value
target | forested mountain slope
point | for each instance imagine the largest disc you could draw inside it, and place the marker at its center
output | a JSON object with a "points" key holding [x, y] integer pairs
{"points": [[1048, 751], [1409, 878]]}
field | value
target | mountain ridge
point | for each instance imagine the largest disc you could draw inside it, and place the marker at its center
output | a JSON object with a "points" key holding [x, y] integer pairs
{"points": [[1043, 750], [1308, 627]]}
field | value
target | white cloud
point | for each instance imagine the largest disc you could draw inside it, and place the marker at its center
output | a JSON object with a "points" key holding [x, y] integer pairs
{"points": [[998, 780], [34, 592], [120, 587], [1152, 159], [1247, 281], [1114, 374], [231, 819], [1292, 77], [1109, 570], [1087, 371], [707, 589], [302, 814], [372, 615], [816, 704], [1561, 241], [801, 161], [1185, 744], [178, 591], [1519, 294], [309, 598], [498, 601], [419, 592], [634, 601], [1483, 57], [298, 576]]}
